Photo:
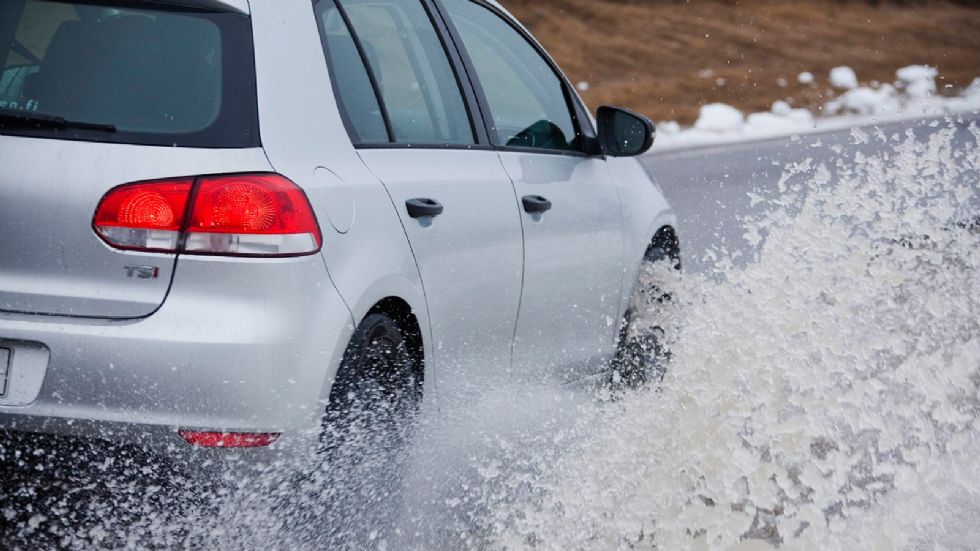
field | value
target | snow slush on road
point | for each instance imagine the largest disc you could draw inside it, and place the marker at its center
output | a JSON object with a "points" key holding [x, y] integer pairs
{"points": [[823, 396]]}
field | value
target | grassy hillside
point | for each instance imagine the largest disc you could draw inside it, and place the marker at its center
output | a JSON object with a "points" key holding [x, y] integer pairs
{"points": [[666, 58]]}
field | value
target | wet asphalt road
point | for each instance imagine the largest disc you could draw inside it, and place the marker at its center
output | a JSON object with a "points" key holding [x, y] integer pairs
{"points": [[709, 187]]}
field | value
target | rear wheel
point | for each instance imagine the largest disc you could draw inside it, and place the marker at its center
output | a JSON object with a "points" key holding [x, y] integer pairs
{"points": [[379, 381], [648, 329], [367, 430]]}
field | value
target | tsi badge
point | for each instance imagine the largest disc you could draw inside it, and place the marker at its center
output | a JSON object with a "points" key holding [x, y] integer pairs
{"points": [[142, 272]]}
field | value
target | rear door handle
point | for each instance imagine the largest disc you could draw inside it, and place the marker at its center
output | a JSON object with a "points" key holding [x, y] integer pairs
{"points": [[535, 204], [420, 208]]}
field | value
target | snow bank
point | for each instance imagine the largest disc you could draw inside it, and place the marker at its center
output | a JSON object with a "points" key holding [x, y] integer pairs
{"points": [[912, 95], [968, 101], [914, 91], [843, 77], [866, 101], [919, 81], [720, 121], [718, 117]]}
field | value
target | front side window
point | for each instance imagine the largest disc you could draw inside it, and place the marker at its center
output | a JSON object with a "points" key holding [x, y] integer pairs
{"points": [[527, 99], [406, 63], [147, 75]]}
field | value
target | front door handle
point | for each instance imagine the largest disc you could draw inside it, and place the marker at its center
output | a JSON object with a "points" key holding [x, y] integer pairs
{"points": [[420, 208], [535, 204]]}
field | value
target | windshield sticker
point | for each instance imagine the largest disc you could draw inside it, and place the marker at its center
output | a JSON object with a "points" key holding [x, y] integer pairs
{"points": [[29, 105]]}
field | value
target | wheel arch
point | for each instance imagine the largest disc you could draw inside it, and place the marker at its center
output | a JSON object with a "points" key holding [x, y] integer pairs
{"points": [[396, 298]]}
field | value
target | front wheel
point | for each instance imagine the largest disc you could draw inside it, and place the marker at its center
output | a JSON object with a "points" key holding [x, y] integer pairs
{"points": [[649, 328]]}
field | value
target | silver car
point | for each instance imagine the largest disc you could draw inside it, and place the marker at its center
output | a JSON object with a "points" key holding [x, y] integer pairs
{"points": [[222, 221]]}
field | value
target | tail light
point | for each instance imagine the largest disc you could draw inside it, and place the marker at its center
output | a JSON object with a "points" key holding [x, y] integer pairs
{"points": [[144, 216], [231, 215]]}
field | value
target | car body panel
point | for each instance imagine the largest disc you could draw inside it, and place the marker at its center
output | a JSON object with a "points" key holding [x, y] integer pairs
{"points": [[51, 261], [573, 267], [226, 351], [645, 212], [470, 257], [318, 155]]}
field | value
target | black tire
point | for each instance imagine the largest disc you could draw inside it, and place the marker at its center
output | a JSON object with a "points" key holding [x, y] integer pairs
{"points": [[644, 353], [378, 378], [367, 432]]}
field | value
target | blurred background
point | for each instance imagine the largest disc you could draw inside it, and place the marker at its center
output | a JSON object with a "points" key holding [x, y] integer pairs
{"points": [[666, 58]]}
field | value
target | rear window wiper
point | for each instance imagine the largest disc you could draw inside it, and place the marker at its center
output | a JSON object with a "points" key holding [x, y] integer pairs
{"points": [[25, 119]]}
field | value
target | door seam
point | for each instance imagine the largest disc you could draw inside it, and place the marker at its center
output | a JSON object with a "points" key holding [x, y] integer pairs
{"points": [[520, 300]]}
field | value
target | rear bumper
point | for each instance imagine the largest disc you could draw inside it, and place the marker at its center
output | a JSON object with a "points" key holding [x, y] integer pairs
{"points": [[237, 346]]}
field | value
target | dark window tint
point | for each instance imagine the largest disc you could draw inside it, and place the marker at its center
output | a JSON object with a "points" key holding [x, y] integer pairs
{"points": [[526, 97], [411, 69], [352, 84], [148, 75]]}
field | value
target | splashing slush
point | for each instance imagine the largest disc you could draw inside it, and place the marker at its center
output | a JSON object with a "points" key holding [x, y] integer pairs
{"points": [[825, 396]]}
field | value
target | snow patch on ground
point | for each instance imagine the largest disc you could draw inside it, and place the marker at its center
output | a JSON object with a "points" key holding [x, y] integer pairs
{"points": [[913, 95], [919, 81], [843, 77], [718, 117]]}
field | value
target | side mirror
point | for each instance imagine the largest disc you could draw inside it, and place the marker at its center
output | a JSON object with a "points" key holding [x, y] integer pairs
{"points": [[624, 133]]}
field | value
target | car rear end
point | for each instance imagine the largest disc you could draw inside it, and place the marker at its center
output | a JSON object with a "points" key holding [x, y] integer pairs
{"points": [[159, 282]]}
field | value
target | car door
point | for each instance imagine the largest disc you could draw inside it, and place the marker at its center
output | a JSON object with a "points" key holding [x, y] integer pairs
{"points": [[572, 221], [409, 116]]}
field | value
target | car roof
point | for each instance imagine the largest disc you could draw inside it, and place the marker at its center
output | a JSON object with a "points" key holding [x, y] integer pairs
{"points": [[240, 6], [497, 5]]}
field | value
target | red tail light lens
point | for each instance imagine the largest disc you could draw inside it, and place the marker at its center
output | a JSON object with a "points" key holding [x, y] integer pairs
{"points": [[234, 215], [229, 439], [258, 214], [144, 216]]}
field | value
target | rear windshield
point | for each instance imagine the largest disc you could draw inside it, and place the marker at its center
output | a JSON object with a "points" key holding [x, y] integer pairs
{"points": [[107, 71]]}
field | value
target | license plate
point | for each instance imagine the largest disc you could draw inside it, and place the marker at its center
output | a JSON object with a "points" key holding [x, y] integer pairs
{"points": [[4, 369]]}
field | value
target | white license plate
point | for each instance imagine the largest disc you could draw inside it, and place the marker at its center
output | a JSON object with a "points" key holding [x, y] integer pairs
{"points": [[4, 369]]}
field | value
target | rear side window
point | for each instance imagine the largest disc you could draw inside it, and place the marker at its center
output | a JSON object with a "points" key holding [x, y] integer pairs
{"points": [[391, 48], [352, 83], [154, 75]]}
